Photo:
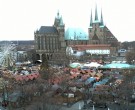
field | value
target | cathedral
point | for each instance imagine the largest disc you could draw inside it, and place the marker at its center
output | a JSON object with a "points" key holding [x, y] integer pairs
{"points": [[54, 42]]}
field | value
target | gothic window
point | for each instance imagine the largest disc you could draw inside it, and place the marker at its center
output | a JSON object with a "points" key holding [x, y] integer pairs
{"points": [[49, 43], [95, 29], [100, 30], [53, 43], [85, 42], [38, 43], [81, 42], [45, 42], [44, 47], [56, 43], [42, 42]]}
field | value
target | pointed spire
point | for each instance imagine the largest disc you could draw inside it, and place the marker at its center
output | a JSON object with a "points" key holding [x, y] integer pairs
{"points": [[101, 20], [58, 15], [96, 13], [91, 20], [61, 21]]}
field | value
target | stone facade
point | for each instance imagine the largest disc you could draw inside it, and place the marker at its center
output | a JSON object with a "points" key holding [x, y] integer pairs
{"points": [[51, 42]]}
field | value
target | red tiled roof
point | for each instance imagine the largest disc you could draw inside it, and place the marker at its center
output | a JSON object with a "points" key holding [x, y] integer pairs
{"points": [[30, 76], [26, 77], [87, 47]]}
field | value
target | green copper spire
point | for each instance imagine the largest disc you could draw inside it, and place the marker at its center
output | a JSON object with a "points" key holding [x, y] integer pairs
{"points": [[96, 13], [101, 20], [58, 15], [61, 21], [91, 20]]}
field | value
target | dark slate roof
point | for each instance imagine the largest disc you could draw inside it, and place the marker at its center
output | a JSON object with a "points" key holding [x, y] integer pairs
{"points": [[47, 29]]}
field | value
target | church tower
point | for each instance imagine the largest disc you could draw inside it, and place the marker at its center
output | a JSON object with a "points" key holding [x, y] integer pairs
{"points": [[60, 26], [98, 33], [94, 29]]}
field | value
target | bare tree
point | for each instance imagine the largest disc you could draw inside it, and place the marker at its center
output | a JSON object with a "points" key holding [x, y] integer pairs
{"points": [[130, 57]]}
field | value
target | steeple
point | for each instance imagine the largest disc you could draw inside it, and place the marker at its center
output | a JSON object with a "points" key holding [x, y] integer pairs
{"points": [[96, 13], [61, 22], [101, 19], [58, 20], [58, 15], [91, 20]]}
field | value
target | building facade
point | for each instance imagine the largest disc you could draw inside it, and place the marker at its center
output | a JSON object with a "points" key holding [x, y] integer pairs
{"points": [[99, 33], [51, 42]]}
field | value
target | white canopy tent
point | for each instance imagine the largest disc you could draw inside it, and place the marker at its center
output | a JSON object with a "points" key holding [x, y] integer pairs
{"points": [[92, 64]]}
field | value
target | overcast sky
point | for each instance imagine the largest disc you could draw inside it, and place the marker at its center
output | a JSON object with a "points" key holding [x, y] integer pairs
{"points": [[20, 18]]}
